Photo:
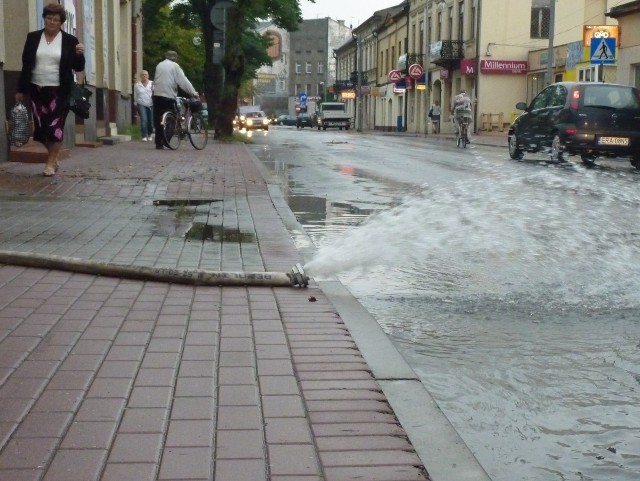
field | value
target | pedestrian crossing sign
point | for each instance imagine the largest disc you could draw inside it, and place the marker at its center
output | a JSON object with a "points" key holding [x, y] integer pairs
{"points": [[603, 50]]}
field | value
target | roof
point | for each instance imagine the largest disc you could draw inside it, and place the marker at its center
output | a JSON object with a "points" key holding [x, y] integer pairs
{"points": [[624, 9]]}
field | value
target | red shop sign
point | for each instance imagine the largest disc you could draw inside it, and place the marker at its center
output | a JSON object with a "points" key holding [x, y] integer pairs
{"points": [[468, 66], [513, 67]]}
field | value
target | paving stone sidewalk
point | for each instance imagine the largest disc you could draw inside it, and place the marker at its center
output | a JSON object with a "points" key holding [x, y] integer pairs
{"points": [[123, 380]]}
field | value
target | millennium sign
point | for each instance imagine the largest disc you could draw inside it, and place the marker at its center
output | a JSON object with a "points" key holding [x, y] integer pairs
{"points": [[504, 66]]}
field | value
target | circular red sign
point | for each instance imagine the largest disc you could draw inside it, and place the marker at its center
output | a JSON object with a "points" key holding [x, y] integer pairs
{"points": [[415, 71], [395, 76]]}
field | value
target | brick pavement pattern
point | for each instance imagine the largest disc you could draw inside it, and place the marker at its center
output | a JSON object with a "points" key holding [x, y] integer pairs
{"points": [[123, 380]]}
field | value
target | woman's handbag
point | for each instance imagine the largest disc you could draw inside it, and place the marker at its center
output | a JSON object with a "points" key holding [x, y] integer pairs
{"points": [[79, 100], [20, 130]]}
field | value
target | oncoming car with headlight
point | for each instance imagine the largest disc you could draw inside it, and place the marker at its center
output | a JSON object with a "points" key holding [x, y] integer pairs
{"points": [[255, 120]]}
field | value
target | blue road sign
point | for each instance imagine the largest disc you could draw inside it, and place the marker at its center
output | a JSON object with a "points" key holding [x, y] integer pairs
{"points": [[603, 50]]}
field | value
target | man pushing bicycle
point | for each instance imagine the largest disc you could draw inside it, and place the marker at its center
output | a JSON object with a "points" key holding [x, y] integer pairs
{"points": [[168, 77]]}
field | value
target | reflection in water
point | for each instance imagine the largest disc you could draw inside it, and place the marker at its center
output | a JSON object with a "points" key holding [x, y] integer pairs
{"points": [[180, 220], [317, 210], [207, 232]]}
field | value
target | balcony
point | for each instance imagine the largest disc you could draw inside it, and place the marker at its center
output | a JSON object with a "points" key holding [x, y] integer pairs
{"points": [[418, 58], [447, 53]]}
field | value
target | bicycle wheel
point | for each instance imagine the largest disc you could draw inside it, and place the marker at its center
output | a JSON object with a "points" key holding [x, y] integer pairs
{"points": [[170, 130], [465, 138], [197, 130]]}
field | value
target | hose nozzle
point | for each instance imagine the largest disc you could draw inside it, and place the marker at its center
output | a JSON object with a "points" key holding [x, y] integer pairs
{"points": [[298, 277]]}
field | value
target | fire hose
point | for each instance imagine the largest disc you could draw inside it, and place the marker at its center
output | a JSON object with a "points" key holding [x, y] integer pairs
{"points": [[197, 277]]}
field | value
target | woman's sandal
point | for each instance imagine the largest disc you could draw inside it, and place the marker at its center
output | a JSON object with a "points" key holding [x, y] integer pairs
{"points": [[49, 171], [56, 166]]}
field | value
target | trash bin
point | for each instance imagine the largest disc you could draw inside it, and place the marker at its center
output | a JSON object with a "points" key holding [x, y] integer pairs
{"points": [[399, 123]]}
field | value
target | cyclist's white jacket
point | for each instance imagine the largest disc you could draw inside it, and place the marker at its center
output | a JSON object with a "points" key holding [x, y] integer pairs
{"points": [[168, 77]]}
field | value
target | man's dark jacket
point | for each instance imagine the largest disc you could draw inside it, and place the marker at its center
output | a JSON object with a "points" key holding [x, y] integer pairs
{"points": [[69, 61]]}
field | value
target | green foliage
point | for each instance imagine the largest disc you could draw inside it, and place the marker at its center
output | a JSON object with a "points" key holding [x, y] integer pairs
{"points": [[168, 27], [171, 25]]}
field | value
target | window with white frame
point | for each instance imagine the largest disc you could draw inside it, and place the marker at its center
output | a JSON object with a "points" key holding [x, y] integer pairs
{"points": [[320, 67], [298, 67], [590, 74], [308, 69]]}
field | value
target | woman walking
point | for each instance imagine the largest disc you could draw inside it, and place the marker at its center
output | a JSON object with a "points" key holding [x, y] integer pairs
{"points": [[49, 58], [142, 92]]}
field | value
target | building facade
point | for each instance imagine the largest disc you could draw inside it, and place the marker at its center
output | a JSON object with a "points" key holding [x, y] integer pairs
{"points": [[498, 51], [272, 84], [312, 64], [112, 34], [628, 17]]}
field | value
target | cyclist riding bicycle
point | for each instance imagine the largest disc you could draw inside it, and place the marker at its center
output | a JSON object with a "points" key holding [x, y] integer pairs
{"points": [[167, 78], [461, 107]]}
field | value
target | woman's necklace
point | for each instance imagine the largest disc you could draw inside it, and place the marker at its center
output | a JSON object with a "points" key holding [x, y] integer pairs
{"points": [[49, 42]]}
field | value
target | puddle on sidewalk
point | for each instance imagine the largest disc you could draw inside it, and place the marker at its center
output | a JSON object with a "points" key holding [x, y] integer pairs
{"points": [[207, 232], [183, 218], [184, 202]]}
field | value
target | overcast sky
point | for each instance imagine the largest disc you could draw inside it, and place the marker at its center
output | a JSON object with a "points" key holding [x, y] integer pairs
{"points": [[353, 12]]}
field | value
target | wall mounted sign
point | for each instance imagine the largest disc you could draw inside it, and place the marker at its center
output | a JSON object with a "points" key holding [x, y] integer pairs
{"points": [[468, 66], [395, 76], [511, 67], [598, 32]]}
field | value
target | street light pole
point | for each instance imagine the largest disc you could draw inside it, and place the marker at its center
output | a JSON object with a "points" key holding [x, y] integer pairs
{"points": [[552, 21]]}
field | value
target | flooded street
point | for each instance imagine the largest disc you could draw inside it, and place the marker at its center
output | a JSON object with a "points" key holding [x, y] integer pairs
{"points": [[511, 288]]}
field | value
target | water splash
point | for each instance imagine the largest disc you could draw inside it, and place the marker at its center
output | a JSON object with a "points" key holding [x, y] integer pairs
{"points": [[503, 229]]}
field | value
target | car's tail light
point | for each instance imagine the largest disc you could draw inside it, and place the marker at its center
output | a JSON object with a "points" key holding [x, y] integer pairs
{"points": [[571, 131], [575, 99]]}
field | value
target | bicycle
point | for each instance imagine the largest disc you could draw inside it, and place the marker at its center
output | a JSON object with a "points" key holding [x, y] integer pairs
{"points": [[463, 118], [186, 120]]}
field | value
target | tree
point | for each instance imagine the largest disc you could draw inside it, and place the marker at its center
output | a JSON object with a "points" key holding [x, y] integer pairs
{"points": [[245, 51], [171, 25]]}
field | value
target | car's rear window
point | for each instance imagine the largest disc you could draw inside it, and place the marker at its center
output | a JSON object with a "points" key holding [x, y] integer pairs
{"points": [[613, 96]]}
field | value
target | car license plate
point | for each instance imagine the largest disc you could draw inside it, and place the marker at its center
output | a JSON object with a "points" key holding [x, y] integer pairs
{"points": [[613, 141]]}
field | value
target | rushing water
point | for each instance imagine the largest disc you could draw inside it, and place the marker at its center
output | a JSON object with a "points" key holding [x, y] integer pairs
{"points": [[515, 295]]}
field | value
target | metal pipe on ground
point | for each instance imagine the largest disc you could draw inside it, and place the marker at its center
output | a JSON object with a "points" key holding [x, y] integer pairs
{"points": [[197, 277]]}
